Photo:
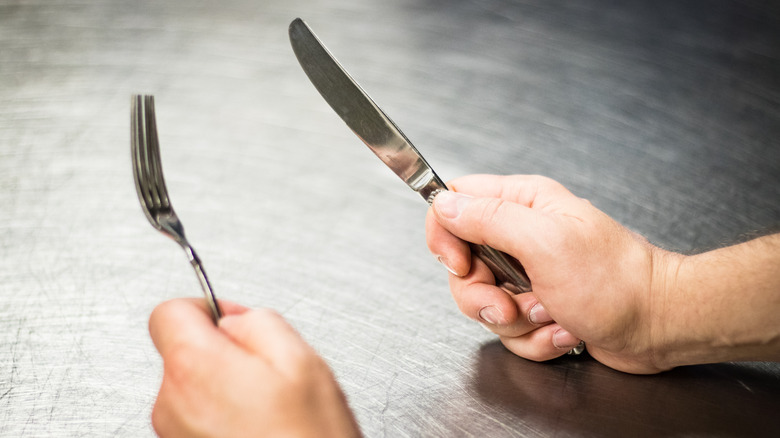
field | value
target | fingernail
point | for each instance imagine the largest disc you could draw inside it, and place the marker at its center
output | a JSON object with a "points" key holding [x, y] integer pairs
{"points": [[450, 204], [443, 260], [539, 315], [564, 340], [491, 315]]}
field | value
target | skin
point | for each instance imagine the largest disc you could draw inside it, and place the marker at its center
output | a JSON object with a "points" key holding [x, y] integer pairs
{"points": [[251, 376], [639, 308]]}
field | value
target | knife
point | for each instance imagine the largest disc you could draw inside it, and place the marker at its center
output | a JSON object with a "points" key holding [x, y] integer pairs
{"points": [[383, 137]]}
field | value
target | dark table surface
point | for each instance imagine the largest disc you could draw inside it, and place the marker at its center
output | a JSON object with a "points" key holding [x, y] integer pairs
{"points": [[666, 115]]}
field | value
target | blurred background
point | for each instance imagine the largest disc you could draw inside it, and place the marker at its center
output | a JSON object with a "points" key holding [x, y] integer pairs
{"points": [[666, 115]]}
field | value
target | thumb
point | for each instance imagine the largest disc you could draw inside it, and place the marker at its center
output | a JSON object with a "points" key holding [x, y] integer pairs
{"points": [[503, 225]]}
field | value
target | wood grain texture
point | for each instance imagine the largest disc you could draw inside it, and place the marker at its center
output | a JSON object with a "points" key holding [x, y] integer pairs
{"points": [[664, 115]]}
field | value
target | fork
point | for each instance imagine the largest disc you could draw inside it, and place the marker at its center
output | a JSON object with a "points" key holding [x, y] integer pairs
{"points": [[152, 192]]}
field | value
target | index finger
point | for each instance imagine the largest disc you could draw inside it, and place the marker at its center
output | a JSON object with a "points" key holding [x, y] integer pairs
{"points": [[450, 250]]}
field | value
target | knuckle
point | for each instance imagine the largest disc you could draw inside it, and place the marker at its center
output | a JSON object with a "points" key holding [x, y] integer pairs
{"points": [[490, 212], [467, 309], [544, 181], [160, 312], [307, 369], [494, 214], [180, 365]]}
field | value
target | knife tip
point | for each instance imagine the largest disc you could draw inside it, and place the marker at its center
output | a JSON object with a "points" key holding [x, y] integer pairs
{"points": [[296, 22], [297, 28]]}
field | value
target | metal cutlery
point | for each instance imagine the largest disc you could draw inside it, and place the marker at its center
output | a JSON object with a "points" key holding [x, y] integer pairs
{"points": [[152, 192]]}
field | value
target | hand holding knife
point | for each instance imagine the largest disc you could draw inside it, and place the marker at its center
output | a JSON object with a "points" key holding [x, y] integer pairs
{"points": [[384, 138]]}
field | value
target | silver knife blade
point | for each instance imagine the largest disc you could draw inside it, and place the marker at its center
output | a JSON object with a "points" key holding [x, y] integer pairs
{"points": [[361, 114], [382, 136]]}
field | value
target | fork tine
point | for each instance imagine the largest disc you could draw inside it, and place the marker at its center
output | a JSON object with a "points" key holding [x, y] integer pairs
{"points": [[159, 189], [147, 146], [140, 175]]}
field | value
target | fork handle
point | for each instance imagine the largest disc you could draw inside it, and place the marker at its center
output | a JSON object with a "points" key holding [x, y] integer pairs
{"points": [[211, 299]]}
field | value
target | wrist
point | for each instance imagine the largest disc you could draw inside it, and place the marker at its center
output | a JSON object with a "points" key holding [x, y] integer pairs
{"points": [[665, 326], [718, 306], [685, 335]]}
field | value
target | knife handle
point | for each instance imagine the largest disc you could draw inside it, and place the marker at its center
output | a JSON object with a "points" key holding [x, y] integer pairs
{"points": [[509, 272]]}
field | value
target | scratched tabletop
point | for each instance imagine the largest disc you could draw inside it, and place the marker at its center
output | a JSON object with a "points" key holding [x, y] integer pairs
{"points": [[665, 115]]}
